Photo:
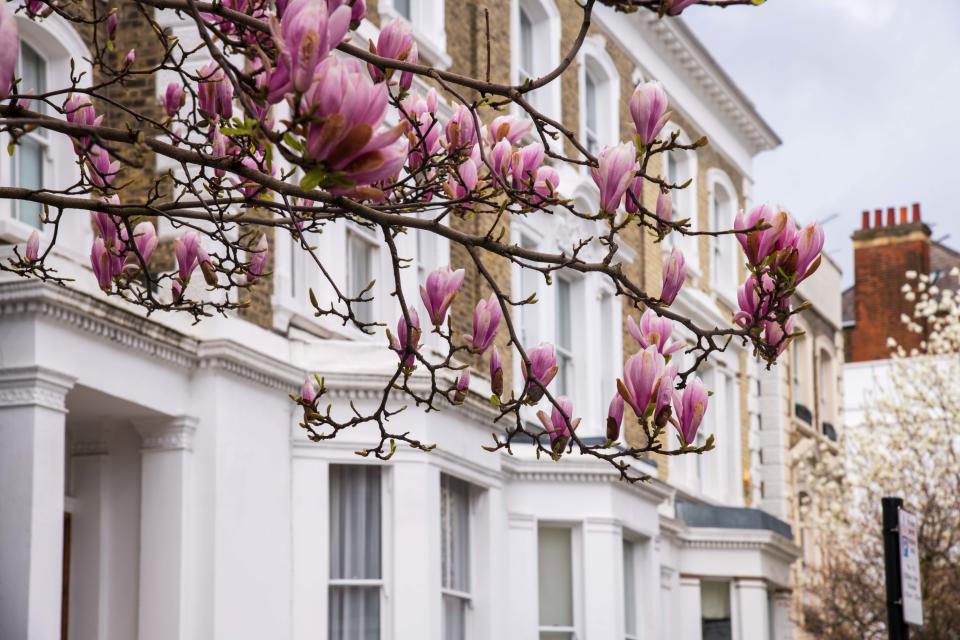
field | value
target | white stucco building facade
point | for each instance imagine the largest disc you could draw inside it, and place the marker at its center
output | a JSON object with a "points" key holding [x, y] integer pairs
{"points": [[154, 483]]}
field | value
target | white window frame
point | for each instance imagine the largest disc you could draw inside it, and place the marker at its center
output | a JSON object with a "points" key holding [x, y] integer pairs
{"points": [[358, 234], [56, 41], [723, 249], [545, 18], [381, 582], [576, 578], [427, 23], [594, 61], [685, 202], [466, 596]]}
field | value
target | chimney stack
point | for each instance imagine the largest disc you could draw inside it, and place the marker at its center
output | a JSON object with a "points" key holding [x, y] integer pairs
{"points": [[882, 255]]}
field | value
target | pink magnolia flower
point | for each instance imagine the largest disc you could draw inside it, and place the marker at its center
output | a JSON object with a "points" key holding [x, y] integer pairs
{"points": [[37, 8], [395, 42], [648, 106], [525, 164], [112, 22], [809, 244], [145, 240], [676, 7], [560, 425], [33, 247], [467, 172], [305, 35], [496, 373], [664, 207], [689, 408], [545, 185], [674, 273], [640, 375], [173, 98], [654, 331], [308, 392], [130, 58], [614, 418], [79, 110], [510, 128], [424, 132], [9, 48], [462, 386], [439, 291], [187, 250], [107, 225], [501, 158], [486, 322], [100, 169], [757, 245], [543, 368], [664, 395], [215, 93], [358, 9], [616, 169], [461, 131], [106, 265], [258, 262], [748, 298], [634, 195], [777, 335], [347, 111], [407, 341]]}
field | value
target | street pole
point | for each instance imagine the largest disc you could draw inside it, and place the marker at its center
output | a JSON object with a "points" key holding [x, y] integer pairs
{"points": [[897, 628]]}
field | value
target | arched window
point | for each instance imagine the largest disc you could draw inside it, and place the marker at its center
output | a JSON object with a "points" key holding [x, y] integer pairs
{"points": [[599, 96], [43, 159], [723, 254], [679, 166], [535, 49]]}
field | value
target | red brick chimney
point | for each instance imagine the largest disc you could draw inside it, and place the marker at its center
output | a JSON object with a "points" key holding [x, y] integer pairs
{"points": [[882, 255]]}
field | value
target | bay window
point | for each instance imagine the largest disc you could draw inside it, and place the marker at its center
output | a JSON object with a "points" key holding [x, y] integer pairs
{"points": [[356, 573]]}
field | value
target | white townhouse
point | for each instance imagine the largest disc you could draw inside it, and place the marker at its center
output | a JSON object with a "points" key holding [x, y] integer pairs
{"points": [[154, 483]]}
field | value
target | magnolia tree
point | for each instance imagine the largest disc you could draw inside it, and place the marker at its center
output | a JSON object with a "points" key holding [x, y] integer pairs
{"points": [[291, 128], [909, 446]]}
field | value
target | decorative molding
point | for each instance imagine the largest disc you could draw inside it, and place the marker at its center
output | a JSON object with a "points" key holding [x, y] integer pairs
{"points": [[592, 472], [167, 434], [34, 386]]}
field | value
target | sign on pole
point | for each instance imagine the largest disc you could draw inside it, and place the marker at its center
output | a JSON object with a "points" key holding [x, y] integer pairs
{"points": [[910, 569]]}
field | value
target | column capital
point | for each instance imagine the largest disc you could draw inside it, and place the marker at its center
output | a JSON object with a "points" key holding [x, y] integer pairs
{"points": [[750, 583], [39, 386], [167, 434]]}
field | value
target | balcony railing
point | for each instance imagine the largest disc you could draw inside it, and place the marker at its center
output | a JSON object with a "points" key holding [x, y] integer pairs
{"points": [[803, 413]]}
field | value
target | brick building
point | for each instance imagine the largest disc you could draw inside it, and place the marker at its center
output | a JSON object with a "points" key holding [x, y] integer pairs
{"points": [[190, 505]]}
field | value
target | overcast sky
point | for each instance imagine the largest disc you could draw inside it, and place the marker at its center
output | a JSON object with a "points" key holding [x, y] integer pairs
{"points": [[866, 97]]}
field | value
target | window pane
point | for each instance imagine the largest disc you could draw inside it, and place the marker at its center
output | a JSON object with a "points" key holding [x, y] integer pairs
{"points": [[355, 613], [454, 618], [526, 46], [607, 357], [359, 272], [555, 572], [354, 522], [455, 533], [715, 611], [556, 635], [33, 71], [590, 105], [629, 590], [402, 7], [563, 315], [29, 157]]}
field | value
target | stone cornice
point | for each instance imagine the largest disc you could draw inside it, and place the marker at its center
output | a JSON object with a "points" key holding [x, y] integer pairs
{"points": [[167, 434], [740, 539], [590, 471]]}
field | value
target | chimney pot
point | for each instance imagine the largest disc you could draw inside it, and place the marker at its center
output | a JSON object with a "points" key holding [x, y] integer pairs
{"points": [[891, 217], [903, 215], [916, 212], [866, 220], [878, 218]]}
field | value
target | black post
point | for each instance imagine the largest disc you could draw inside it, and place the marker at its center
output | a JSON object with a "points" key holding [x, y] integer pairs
{"points": [[891, 555]]}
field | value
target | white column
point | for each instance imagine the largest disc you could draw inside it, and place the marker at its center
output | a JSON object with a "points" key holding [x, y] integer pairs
{"points": [[750, 598], [603, 579], [311, 546], [32, 437], [165, 520], [782, 624], [523, 609], [413, 587], [689, 612]]}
